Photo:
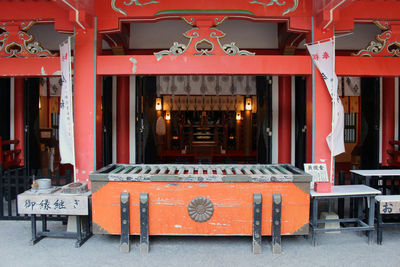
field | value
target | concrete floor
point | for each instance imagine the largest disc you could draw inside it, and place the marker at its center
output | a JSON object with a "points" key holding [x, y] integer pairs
{"points": [[345, 249]]}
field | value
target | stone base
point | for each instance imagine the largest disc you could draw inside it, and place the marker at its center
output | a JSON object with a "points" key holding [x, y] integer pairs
{"points": [[71, 225], [330, 225]]}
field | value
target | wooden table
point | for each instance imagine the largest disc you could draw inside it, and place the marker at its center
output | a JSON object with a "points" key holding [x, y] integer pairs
{"points": [[358, 192], [53, 202], [369, 175]]}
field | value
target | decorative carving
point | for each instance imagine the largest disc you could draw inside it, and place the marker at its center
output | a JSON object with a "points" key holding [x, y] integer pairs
{"points": [[279, 3], [204, 39], [136, 2], [176, 49], [200, 209], [388, 42], [16, 42]]}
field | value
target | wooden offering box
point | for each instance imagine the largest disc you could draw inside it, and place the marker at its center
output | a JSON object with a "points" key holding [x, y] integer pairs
{"points": [[200, 199]]}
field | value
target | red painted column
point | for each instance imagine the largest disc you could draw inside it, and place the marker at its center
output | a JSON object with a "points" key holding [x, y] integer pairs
{"points": [[322, 113], [85, 97], [123, 119], [388, 88], [19, 116], [285, 119]]}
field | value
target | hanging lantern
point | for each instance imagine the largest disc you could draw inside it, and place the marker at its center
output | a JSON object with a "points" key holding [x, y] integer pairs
{"points": [[158, 103], [238, 115], [248, 103]]}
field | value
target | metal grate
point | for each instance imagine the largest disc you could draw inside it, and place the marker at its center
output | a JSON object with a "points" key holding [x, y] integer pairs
{"points": [[200, 173]]}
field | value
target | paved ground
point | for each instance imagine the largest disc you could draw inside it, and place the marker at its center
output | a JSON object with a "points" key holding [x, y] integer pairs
{"points": [[345, 249]]}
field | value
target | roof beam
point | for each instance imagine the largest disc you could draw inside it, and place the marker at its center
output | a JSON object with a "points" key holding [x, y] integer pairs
{"points": [[175, 65]]}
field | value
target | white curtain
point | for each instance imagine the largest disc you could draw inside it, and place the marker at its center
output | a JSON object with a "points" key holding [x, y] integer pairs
{"points": [[206, 85]]}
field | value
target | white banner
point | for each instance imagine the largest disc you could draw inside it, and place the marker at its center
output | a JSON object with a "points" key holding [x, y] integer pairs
{"points": [[67, 147], [323, 56]]}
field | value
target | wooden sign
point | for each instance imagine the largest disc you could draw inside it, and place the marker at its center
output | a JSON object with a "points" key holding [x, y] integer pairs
{"points": [[318, 171], [389, 207], [53, 203]]}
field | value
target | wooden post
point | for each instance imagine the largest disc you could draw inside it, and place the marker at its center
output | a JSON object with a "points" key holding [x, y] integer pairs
{"points": [[86, 96], [123, 119], [169, 134], [247, 133], [238, 133], [19, 117], [319, 112], [285, 119], [387, 117]]}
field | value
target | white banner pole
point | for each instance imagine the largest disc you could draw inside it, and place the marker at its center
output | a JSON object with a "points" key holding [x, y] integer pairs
{"points": [[66, 138], [72, 107]]}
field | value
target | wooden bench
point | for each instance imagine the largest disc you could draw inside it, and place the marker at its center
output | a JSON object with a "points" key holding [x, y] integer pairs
{"points": [[9, 158], [54, 201], [386, 205]]}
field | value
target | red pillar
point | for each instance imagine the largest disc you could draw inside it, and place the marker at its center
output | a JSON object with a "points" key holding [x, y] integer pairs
{"points": [[86, 95], [285, 117], [123, 119], [318, 130], [19, 116], [388, 88]]}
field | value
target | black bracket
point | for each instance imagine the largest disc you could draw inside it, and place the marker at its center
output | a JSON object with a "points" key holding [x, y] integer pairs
{"points": [[276, 223], [257, 215], [144, 223], [81, 238], [124, 246]]}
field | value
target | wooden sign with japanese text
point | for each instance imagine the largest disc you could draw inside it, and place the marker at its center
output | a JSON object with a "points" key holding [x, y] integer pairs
{"points": [[389, 207], [318, 171], [56, 203]]}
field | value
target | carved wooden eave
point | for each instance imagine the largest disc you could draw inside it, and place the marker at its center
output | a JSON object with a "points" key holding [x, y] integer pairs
{"points": [[202, 34], [16, 42], [278, 3], [387, 43]]}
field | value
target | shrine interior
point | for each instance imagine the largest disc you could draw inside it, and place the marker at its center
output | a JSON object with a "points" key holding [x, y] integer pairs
{"points": [[206, 118]]}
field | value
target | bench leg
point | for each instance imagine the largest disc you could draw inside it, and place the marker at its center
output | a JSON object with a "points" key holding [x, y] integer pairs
{"points": [[314, 223], [276, 223], [81, 239], [35, 237], [379, 226], [44, 223], [124, 246], [257, 220], [144, 223], [371, 218]]}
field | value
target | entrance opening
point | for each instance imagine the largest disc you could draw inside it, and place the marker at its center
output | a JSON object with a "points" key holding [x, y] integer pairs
{"points": [[203, 119], [361, 102]]}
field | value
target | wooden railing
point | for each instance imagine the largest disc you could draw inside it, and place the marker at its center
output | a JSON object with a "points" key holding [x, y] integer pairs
{"points": [[9, 157], [394, 153]]}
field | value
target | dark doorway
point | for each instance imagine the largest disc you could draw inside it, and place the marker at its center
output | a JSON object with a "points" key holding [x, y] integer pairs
{"points": [[107, 120], [146, 117], [370, 110], [300, 121], [31, 117], [5, 108], [264, 119]]}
